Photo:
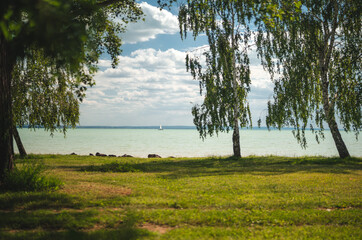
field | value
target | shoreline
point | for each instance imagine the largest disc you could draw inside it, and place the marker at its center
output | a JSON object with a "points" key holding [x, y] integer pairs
{"points": [[126, 156], [173, 127], [179, 143]]}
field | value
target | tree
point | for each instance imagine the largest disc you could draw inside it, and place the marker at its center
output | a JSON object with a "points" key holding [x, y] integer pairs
{"points": [[45, 95], [70, 32], [314, 48], [225, 75], [19, 143]]}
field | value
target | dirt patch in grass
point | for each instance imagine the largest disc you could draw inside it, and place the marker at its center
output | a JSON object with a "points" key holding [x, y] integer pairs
{"points": [[96, 189], [335, 208], [161, 229]]}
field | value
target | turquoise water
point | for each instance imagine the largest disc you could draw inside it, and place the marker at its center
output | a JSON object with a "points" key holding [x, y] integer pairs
{"points": [[179, 143]]}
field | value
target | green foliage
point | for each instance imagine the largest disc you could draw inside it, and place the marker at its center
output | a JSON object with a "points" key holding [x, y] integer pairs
{"points": [[70, 35], [313, 53], [44, 95], [223, 68], [47, 90], [69, 31], [29, 177]]}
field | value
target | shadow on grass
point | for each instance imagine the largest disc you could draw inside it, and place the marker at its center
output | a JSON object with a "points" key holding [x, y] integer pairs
{"points": [[176, 168], [46, 215], [10, 201], [65, 225], [121, 233], [47, 219]]}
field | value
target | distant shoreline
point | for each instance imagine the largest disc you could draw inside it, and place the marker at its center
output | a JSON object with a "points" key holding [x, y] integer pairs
{"points": [[138, 127], [170, 127]]}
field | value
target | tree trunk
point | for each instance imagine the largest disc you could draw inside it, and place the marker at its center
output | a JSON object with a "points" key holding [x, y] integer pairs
{"points": [[341, 146], [6, 133], [19, 144], [236, 141], [236, 136], [325, 56], [328, 108]]}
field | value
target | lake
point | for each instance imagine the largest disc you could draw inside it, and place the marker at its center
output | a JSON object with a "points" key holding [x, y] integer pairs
{"points": [[184, 142]]}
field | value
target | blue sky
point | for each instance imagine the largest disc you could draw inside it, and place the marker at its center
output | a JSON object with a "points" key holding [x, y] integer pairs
{"points": [[150, 86]]}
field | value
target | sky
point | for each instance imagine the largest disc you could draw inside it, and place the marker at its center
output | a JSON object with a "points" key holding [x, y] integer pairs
{"points": [[151, 86]]}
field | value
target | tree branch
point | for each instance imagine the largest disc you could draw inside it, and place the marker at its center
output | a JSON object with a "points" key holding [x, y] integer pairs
{"points": [[332, 34]]}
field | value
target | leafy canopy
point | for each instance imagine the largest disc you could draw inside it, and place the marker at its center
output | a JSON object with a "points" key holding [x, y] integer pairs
{"points": [[48, 87], [223, 67], [312, 48], [45, 95], [72, 32]]}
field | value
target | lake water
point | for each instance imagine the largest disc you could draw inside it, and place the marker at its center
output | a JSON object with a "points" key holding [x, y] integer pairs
{"points": [[179, 142]]}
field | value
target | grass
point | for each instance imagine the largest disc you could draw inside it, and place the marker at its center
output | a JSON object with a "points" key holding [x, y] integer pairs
{"points": [[194, 198], [29, 177]]}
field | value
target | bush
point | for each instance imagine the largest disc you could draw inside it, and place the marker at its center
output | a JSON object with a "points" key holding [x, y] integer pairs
{"points": [[29, 177]]}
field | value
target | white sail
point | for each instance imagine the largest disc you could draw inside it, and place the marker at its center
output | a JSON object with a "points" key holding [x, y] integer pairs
{"points": [[161, 127]]}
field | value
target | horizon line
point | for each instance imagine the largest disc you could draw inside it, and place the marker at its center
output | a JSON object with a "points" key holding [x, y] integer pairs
{"points": [[171, 127]]}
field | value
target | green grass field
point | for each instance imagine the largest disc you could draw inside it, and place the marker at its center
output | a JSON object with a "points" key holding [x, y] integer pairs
{"points": [[193, 198]]}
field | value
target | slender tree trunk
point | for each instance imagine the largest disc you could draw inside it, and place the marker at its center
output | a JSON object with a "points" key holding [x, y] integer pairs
{"points": [[329, 112], [6, 133], [236, 135], [236, 141], [19, 143], [325, 56], [341, 146]]}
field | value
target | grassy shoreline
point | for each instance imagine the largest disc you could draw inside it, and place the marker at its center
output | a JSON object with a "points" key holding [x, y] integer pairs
{"points": [[189, 198]]}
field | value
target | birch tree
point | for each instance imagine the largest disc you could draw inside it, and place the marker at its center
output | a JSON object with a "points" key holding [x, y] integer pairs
{"points": [[65, 30], [45, 95], [223, 67], [312, 48]]}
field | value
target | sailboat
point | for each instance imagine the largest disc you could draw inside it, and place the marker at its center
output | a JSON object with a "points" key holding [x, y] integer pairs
{"points": [[160, 127]]}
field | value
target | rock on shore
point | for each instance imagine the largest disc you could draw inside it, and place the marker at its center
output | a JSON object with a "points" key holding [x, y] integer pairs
{"points": [[101, 154]]}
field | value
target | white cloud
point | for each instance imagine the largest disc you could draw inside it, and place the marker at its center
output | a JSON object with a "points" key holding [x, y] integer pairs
{"points": [[260, 78], [156, 22], [152, 87], [147, 87]]}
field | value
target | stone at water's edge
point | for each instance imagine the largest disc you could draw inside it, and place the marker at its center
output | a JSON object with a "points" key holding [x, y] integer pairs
{"points": [[101, 154], [153, 156]]}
